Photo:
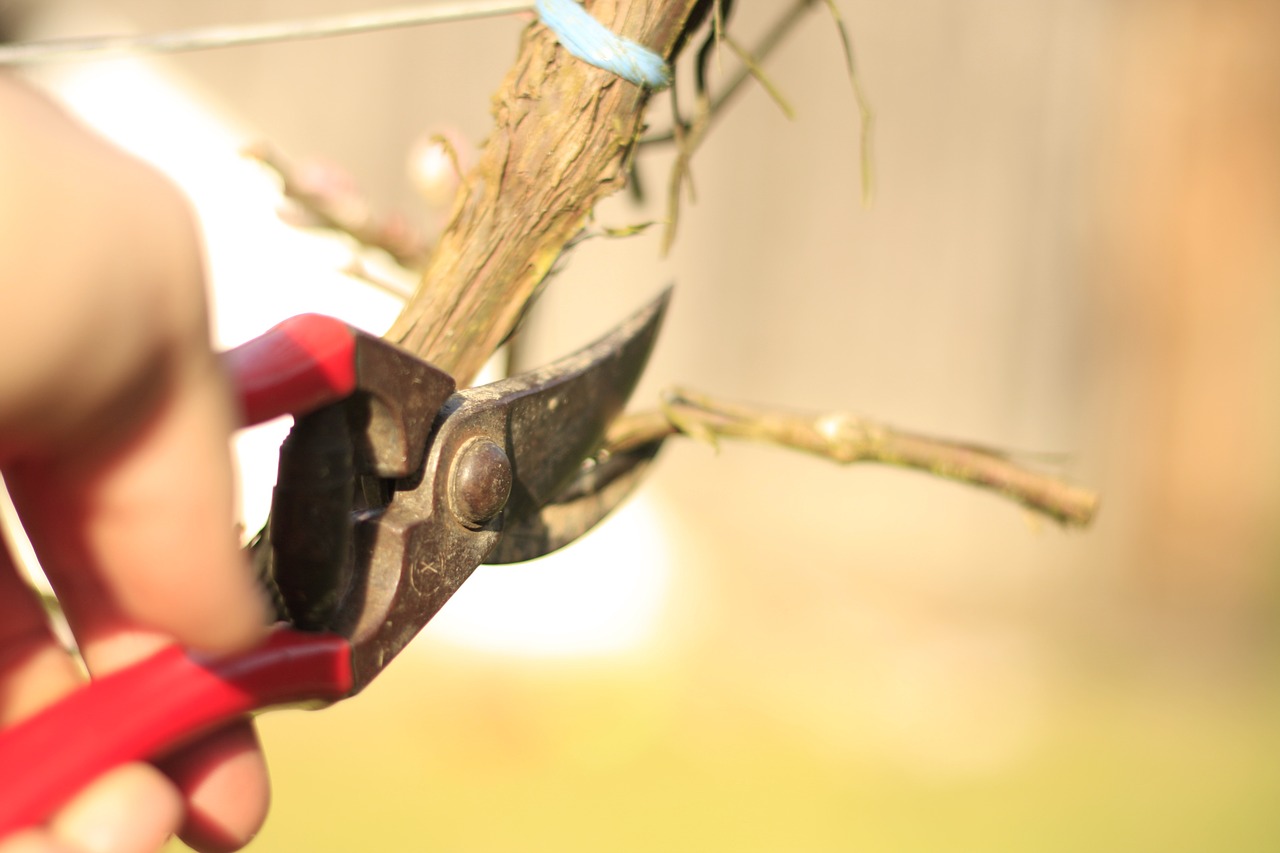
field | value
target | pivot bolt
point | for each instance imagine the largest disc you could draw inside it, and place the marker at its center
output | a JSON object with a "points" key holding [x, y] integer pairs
{"points": [[480, 482]]}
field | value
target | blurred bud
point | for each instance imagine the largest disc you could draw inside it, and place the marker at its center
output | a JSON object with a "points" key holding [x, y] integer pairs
{"points": [[436, 162]]}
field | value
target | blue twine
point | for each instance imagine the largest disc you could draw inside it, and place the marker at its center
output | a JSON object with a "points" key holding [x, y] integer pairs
{"points": [[592, 42]]}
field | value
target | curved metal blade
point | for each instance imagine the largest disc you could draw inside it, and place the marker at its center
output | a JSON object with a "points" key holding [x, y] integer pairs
{"points": [[603, 482], [556, 415]]}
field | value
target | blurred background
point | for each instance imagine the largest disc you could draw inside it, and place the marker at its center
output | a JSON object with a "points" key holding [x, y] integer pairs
{"points": [[1074, 247]]}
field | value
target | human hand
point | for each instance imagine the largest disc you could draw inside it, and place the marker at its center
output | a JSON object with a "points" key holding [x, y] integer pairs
{"points": [[114, 427]]}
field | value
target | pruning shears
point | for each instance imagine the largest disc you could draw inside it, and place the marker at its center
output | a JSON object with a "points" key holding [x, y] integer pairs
{"points": [[393, 487]]}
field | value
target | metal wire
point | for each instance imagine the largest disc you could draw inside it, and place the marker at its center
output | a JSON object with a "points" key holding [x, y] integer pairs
{"points": [[575, 28], [210, 38]]}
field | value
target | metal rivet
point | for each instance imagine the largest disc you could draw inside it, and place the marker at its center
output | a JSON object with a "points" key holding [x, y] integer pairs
{"points": [[480, 482]]}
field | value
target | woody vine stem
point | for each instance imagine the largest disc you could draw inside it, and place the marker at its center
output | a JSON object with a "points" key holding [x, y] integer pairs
{"points": [[563, 138]]}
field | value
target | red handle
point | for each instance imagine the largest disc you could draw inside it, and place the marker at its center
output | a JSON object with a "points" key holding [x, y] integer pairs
{"points": [[150, 708], [299, 365]]}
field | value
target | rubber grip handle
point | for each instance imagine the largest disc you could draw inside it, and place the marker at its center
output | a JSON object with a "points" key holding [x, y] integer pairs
{"points": [[152, 707], [298, 366]]}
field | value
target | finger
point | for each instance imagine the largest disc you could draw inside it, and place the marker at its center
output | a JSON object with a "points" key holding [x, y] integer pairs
{"points": [[132, 809], [116, 437], [115, 402], [34, 841], [140, 545], [34, 668], [221, 777], [141, 551]]}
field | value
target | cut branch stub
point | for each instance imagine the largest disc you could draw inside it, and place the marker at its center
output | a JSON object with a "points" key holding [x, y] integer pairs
{"points": [[563, 131]]}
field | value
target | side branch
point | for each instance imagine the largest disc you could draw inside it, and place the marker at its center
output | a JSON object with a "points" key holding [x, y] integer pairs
{"points": [[344, 212], [845, 438]]}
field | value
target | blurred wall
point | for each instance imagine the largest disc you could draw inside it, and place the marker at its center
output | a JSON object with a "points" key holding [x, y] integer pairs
{"points": [[1073, 248]]}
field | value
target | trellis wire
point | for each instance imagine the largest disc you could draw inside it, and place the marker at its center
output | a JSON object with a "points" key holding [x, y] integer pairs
{"points": [[209, 38], [580, 34]]}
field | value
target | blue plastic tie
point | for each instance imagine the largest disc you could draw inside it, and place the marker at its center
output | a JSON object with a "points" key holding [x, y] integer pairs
{"points": [[592, 42]]}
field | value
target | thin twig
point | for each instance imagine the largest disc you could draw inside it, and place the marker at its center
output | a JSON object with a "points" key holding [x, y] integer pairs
{"points": [[689, 137], [752, 66], [866, 117], [775, 35], [687, 141], [350, 216], [845, 438], [241, 35]]}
